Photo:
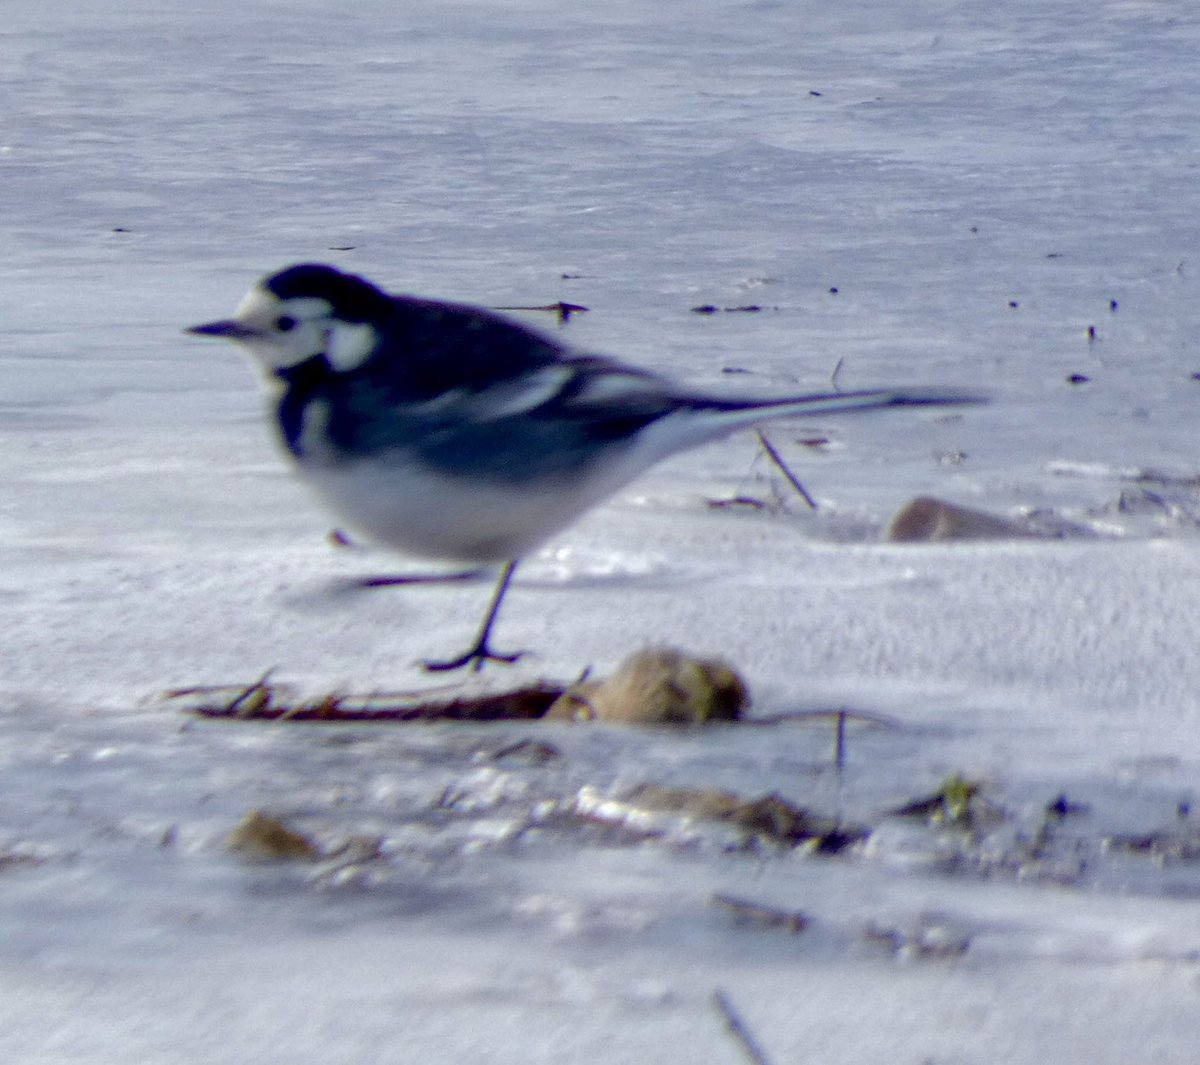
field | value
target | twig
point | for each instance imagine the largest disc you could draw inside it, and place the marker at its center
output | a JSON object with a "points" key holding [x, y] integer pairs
{"points": [[240, 706], [837, 369], [737, 1028], [799, 716], [839, 741], [760, 914], [563, 309], [780, 465]]}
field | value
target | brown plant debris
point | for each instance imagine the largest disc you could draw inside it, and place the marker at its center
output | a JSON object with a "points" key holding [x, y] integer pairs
{"points": [[957, 802], [926, 939], [1165, 845], [737, 503], [756, 913], [269, 702], [17, 858], [712, 308], [768, 818], [658, 687], [530, 752]]}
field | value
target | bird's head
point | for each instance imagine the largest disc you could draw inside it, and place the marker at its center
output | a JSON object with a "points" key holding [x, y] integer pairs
{"points": [[302, 312]]}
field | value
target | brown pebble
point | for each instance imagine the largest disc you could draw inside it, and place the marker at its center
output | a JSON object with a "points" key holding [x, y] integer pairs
{"points": [[659, 687], [259, 835], [927, 520]]}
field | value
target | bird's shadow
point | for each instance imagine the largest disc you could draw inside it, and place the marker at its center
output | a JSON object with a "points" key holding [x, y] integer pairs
{"points": [[529, 576]]}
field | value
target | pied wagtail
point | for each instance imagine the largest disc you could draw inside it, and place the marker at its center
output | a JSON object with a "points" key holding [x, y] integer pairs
{"points": [[448, 431]]}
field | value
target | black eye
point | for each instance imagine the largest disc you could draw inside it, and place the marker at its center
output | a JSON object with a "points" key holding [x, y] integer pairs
{"points": [[285, 323]]}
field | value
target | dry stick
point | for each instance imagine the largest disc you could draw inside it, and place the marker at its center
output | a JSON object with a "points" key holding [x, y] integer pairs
{"points": [[839, 741], [737, 1028], [761, 914], [260, 685], [777, 459], [837, 369], [563, 309]]}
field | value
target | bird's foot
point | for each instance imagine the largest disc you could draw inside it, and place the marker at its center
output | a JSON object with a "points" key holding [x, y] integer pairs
{"points": [[480, 652], [474, 658]]}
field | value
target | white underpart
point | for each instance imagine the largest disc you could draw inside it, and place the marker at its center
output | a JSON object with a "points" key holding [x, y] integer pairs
{"points": [[420, 512], [408, 506]]}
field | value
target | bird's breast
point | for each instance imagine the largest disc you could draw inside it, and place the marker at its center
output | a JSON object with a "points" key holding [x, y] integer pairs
{"points": [[419, 511]]}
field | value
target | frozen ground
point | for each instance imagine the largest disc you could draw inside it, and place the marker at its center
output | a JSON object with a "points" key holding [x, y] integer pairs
{"points": [[980, 183]]}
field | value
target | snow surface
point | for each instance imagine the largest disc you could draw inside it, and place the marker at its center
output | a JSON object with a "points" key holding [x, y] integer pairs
{"points": [[980, 183]]}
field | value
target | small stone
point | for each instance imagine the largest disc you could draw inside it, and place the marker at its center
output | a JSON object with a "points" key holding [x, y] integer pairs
{"points": [[259, 835], [929, 520], [660, 687]]}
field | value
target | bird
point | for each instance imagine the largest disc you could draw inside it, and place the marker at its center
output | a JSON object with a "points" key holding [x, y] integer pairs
{"points": [[449, 431]]}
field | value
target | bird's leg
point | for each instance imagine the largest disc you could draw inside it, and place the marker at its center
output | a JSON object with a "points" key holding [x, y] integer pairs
{"points": [[479, 651]]}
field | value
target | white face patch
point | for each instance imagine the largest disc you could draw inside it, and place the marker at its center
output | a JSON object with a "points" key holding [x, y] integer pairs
{"points": [[286, 332], [304, 308], [348, 344], [257, 305], [261, 308]]}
